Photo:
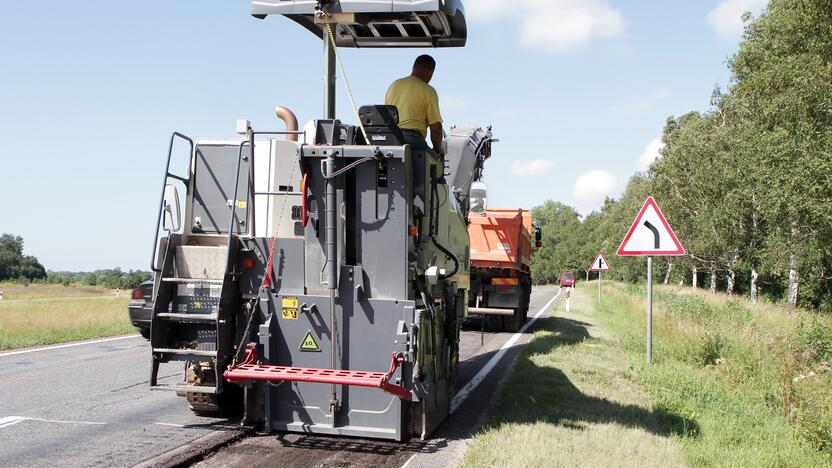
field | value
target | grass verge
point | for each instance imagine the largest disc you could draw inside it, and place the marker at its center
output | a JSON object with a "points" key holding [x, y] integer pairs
{"points": [[753, 377], [733, 384], [43, 321], [571, 401]]}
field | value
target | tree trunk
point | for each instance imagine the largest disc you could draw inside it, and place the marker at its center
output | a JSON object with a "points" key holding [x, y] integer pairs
{"points": [[794, 276], [732, 275], [693, 278], [713, 277], [755, 275], [669, 270]]}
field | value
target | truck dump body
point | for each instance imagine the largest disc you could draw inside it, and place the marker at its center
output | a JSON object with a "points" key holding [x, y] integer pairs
{"points": [[501, 247], [501, 238]]}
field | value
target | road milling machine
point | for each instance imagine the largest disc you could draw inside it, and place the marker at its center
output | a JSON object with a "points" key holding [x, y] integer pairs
{"points": [[319, 279]]}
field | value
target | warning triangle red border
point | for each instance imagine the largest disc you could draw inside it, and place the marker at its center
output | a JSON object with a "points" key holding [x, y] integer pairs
{"points": [[622, 249], [606, 262]]}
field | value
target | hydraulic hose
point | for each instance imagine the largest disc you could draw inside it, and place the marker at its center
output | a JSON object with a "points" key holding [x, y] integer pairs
{"points": [[434, 194]]}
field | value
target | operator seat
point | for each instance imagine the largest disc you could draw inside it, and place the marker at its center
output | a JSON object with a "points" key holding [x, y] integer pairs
{"points": [[382, 125]]}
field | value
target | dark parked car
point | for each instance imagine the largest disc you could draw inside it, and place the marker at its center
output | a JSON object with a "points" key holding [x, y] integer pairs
{"points": [[141, 306], [567, 279]]}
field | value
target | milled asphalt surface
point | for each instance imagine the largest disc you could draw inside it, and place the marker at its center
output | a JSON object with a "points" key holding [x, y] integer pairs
{"points": [[89, 405], [446, 447]]}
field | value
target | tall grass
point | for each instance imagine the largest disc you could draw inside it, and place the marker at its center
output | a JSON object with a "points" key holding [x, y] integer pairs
{"points": [[17, 291], [48, 321], [755, 378]]}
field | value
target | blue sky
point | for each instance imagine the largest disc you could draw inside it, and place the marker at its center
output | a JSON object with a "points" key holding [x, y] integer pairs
{"points": [[576, 90]]}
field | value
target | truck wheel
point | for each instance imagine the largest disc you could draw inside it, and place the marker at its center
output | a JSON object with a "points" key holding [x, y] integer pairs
{"points": [[514, 322], [227, 403]]}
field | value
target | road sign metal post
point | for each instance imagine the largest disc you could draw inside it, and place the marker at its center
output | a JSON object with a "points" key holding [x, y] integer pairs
{"points": [[650, 235], [650, 310], [600, 264]]}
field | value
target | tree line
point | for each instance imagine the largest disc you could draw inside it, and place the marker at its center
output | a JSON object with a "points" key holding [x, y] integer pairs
{"points": [[746, 185], [15, 266]]}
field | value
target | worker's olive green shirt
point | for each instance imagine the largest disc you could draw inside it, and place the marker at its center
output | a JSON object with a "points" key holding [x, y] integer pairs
{"points": [[418, 104]]}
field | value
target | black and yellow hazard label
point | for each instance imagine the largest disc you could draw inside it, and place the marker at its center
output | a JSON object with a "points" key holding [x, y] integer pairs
{"points": [[289, 310], [309, 343]]}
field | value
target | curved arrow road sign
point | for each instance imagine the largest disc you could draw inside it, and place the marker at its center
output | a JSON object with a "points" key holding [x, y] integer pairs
{"points": [[650, 234]]}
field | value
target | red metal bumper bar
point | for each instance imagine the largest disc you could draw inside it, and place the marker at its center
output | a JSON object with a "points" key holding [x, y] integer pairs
{"points": [[250, 369]]}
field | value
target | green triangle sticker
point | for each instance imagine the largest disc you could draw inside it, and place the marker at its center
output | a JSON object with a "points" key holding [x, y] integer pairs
{"points": [[309, 343]]}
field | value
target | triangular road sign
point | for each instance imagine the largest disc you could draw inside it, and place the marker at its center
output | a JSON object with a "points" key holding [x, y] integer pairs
{"points": [[650, 234], [600, 263]]}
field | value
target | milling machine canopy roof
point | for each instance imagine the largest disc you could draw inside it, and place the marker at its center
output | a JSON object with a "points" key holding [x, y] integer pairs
{"points": [[377, 23]]}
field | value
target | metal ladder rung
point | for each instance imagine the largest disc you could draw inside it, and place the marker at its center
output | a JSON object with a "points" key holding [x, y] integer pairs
{"points": [[186, 353], [188, 317], [186, 388], [191, 280]]}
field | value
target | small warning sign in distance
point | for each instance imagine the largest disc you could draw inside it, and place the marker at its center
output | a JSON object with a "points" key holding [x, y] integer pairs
{"points": [[600, 263]]}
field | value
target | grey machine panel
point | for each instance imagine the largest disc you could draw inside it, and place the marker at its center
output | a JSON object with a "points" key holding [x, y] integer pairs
{"points": [[214, 169], [304, 407], [379, 23], [374, 301]]}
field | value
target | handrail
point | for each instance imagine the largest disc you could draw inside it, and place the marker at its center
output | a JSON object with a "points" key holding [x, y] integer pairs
{"points": [[233, 215], [162, 198]]}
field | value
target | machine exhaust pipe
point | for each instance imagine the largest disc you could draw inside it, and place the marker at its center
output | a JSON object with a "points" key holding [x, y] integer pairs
{"points": [[288, 117]]}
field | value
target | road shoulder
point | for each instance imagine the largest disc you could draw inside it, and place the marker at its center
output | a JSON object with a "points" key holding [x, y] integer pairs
{"points": [[571, 401]]}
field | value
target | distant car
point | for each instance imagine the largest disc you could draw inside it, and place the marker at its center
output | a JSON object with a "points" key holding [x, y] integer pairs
{"points": [[141, 307], [567, 279]]}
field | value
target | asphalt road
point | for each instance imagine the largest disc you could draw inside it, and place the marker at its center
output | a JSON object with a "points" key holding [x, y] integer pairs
{"points": [[89, 405]]}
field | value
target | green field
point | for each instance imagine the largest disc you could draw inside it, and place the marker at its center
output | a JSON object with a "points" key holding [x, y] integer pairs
{"points": [[733, 384], [46, 314]]}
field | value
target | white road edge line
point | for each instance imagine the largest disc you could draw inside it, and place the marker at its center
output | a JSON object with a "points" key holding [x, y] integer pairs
{"points": [[181, 426], [409, 460], [68, 345], [460, 397], [12, 420]]}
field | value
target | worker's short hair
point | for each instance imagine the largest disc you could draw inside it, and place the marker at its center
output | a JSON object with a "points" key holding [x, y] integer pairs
{"points": [[425, 61]]}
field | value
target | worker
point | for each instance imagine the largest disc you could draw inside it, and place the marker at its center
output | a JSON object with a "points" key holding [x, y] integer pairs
{"points": [[418, 105]]}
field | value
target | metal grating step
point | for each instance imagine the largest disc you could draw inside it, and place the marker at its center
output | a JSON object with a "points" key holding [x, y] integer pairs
{"points": [[192, 281], [188, 317], [184, 387], [185, 354], [248, 371]]}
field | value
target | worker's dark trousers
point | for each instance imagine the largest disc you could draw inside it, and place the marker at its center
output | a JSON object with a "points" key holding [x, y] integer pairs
{"points": [[415, 139]]}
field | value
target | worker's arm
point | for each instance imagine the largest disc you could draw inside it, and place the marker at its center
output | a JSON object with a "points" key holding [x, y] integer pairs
{"points": [[436, 138]]}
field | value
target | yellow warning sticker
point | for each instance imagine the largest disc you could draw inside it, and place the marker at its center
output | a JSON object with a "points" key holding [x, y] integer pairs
{"points": [[290, 302], [289, 313], [309, 343], [242, 204]]}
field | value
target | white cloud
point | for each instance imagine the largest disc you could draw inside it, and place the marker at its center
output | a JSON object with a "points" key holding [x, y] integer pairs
{"points": [[726, 18], [552, 25], [532, 168], [593, 187], [651, 154], [640, 105]]}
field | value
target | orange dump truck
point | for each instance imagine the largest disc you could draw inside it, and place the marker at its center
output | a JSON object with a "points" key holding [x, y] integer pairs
{"points": [[501, 260]]}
